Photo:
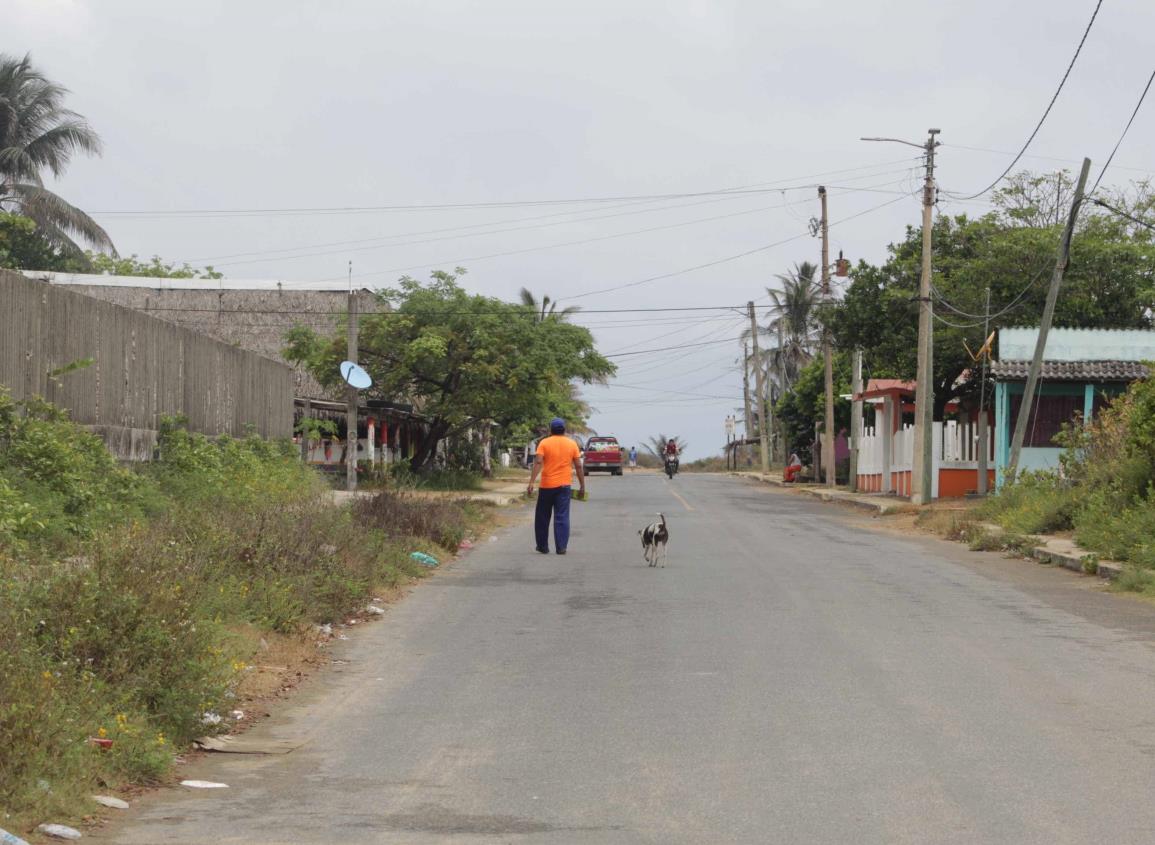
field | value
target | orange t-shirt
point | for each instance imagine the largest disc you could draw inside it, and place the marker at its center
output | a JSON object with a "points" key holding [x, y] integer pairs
{"points": [[557, 453]]}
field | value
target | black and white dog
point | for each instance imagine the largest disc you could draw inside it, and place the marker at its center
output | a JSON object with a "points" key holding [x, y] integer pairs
{"points": [[655, 536]]}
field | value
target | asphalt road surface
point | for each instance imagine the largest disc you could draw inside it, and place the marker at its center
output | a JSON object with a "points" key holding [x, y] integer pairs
{"points": [[791, 676]]}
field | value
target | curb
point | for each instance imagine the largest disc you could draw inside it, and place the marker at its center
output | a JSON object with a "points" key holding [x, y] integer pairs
{"points": [[1108, 570], [879, 507]]}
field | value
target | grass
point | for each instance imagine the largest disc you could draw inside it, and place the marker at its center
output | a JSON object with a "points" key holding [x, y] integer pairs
{"points": [[133, 603]]}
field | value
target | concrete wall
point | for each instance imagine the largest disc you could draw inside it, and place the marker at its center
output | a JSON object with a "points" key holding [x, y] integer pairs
{"points": [[252, 314], [143, 369]]}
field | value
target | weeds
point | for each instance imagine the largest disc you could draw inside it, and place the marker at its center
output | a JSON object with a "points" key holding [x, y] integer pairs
{"points": [[134, 640]]}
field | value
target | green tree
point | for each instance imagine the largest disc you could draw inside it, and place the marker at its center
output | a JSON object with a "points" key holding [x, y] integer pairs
{"points": [[38, 134], [805, 404], [23, 248], [1108, 284], [154, 268], [463, 359]]}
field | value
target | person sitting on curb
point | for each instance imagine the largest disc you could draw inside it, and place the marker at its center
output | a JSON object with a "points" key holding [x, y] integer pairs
{"points": [[793, 467], [557, 457]]}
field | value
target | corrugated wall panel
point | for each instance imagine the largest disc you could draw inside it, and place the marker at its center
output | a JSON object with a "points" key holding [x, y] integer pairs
{"points": [[144, 368]]}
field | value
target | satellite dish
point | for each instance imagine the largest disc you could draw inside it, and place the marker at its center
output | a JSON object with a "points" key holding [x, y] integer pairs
{"points": [[355, 376]]}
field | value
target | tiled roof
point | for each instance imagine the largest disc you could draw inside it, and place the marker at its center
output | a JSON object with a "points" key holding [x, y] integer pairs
{"points": [[1071, 370]]}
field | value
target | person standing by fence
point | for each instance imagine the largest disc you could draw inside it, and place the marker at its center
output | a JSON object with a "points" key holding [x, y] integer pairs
{"points": [[557, 458]]}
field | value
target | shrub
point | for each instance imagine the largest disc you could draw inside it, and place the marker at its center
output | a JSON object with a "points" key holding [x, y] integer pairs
{"points": [[138, 636], [1037, 503]]}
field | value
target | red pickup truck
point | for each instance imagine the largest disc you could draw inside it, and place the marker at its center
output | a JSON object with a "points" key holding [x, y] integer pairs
{"points": [[603, 453]]}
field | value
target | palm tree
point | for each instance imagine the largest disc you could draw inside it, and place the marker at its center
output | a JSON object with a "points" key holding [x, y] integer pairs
{"points": [[657, 445], [794, 320], [37, 134], [547, 308]]}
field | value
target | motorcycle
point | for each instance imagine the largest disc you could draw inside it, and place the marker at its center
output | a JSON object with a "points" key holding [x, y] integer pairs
{"points": [[671, 465]]}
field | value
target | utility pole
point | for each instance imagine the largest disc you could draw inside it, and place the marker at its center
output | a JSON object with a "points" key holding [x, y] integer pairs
{"points": [[761, 387], [984, 352], [1045, 325], [351, 393], [746, 396], [827, 356], [922, 485], [855, 418]]}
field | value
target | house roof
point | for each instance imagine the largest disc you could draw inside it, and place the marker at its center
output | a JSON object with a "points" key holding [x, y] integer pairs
{"points": [[1071, 370]]}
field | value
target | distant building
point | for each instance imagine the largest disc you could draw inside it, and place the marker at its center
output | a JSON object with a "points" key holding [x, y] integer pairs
{"points": [[1083, 370]]}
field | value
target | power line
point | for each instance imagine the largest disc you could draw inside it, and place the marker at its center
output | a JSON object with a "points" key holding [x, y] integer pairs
{"points": [[469, 230], [670, 348], [1130, 120], [449, 312], [321, 210], [725, 259], [1121, 213], [615, 385], [1050, 105], [1035, 155]]}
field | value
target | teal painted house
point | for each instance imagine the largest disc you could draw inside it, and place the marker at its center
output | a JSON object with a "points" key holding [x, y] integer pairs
{"points": [[1083, 369]]}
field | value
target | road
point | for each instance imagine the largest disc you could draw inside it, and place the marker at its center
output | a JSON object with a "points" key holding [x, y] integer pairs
{"points": [[792, 676]]}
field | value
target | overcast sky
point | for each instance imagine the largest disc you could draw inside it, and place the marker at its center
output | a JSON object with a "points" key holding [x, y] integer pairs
{"points": [[220, 105]]}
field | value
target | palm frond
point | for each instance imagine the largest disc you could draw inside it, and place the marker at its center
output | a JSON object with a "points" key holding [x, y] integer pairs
{"points": [[59, 221]]}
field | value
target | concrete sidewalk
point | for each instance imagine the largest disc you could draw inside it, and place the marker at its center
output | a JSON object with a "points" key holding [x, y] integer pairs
{"points": [[877, 503], [1063, 552]]}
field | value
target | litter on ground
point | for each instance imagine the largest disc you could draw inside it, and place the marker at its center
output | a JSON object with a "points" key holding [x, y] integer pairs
{"points": [[59, 831], [109, 801]]}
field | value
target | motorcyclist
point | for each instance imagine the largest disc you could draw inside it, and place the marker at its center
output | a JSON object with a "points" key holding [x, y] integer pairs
{"points": [[671, 452]]}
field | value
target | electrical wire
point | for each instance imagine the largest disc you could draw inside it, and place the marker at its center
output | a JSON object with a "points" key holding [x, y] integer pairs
{"points": [[727, 258], [322, 210], [682, 308], [676, 348], [1050, 105], [469, 230], [1130, 217], [1014, 302], [1041, 158], [1130, 120]]}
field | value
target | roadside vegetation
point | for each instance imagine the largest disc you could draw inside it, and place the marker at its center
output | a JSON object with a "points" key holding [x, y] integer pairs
{"points": [[134, 602], [1104, 492]]}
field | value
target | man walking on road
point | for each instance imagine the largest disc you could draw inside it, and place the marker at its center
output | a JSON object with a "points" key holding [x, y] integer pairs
{"points": [[557, 458]]}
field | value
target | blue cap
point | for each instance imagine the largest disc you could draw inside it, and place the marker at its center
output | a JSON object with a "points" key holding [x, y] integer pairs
{"points": [[557, 425]]}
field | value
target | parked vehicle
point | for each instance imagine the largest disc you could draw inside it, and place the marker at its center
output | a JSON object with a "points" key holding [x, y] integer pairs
{"points": [[603, 454]]}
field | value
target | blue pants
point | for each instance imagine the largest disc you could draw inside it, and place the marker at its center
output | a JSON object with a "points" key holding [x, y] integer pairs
{"points": [[555, 501]]}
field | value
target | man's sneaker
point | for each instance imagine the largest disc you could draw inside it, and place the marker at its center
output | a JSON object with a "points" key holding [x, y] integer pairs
{"points": [[543, 551], [561, 551]]}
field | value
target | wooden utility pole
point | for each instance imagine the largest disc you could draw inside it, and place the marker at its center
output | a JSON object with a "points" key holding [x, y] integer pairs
{"points": [[761, 387], [1045, 325], [746, 395], [827, 355], [351, 394], [855, 418], [921, 483], [984, 353]]}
